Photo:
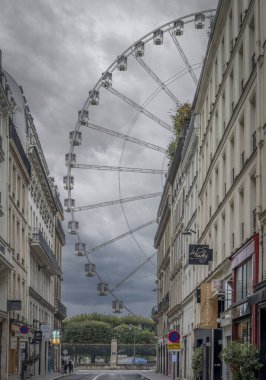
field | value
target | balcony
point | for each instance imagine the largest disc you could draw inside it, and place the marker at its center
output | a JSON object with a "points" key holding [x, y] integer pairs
{"points": [[155, 313], [60, 310], [5, 257], [2, 153], [60, 231], [58, 202], [42, 250], [14, 136]]}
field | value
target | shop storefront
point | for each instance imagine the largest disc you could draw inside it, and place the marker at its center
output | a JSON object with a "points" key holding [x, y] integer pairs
{"points": [[245, 277], [19, 340], [258, 301]]}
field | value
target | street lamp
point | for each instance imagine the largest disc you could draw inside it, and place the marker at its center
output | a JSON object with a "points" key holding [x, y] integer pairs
{"points": [[130, 327]]}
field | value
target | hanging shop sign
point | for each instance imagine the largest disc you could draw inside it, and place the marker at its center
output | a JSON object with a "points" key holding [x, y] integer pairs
{"points": [[13, 305], [199, 254], [37, 336]]}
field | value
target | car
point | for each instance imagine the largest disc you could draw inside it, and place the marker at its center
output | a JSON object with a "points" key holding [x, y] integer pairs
{"points": [[131, 360]]}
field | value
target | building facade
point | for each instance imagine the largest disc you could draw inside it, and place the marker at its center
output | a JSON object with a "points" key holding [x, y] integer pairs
{"points": [[31, 241], [219, 183], [18, 184], [6, 108]]}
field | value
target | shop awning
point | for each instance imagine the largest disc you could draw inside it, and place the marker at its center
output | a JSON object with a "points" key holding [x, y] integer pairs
{"points": [[259, 296]]}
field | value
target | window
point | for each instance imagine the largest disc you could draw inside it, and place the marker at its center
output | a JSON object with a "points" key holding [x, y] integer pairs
{"points": [[244, 331], [244, 279], [228, 294]]}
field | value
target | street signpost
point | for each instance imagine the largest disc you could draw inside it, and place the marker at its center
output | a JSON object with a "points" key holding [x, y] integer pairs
{"points": [[174, 346], [174, 336], [24, 329]]}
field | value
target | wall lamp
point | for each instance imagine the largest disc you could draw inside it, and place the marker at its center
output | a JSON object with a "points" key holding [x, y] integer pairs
{"points": [[42, 267], [188, 231]]}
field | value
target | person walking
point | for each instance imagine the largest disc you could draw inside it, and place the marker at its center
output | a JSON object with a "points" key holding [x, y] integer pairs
{"points": [[65, 367], [70, 366]]}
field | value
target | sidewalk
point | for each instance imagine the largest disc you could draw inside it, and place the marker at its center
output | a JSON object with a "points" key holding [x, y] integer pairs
{"points": [[152, 375], [50, 376]]}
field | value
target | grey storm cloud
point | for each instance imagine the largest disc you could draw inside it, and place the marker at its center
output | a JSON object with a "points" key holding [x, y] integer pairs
{"points": [[57, 50]]}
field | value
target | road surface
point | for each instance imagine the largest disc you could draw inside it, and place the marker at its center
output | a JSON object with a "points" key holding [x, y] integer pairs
{"points": [[105, 375]]}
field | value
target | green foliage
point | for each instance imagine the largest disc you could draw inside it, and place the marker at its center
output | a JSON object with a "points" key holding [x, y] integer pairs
{"points": [[179, 120], [101, 328], [197, 362], [88, 332], [126, 336], [243, 360]]}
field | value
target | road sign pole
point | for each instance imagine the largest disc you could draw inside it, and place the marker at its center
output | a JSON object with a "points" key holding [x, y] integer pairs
{"points": [[173, 370]]}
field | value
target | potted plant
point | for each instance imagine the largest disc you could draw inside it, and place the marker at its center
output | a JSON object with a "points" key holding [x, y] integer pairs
{"points": [[197, 362], [242, 359]]}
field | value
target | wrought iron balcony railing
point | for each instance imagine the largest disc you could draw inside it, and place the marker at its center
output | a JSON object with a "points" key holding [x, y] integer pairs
{"points": [[38, 238], [60, 230], [61, 309], [14, 136]]}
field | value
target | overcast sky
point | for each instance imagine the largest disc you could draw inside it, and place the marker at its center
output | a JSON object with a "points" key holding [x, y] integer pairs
{"points": [[57, 50]]}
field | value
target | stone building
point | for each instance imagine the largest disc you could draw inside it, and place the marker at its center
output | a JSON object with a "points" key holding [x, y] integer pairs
{"points": [[6, 107], [18, 179], [224, 297], [31, 237]]}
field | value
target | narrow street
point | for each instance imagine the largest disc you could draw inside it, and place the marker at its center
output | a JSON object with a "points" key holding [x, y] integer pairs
{"points": [[105, 375]]}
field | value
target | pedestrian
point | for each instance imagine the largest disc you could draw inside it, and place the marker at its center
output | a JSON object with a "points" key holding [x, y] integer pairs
{"points": [[70, 366], [65, 366]]}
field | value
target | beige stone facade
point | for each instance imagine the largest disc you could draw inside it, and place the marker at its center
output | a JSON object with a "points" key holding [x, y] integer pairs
{"points": [[220, 187], [31, 238]]}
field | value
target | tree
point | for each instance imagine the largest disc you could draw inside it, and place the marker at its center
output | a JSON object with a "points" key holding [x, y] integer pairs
{"points": [[243, 360], [87, 332], [126, 336], [100, 328], [179, 120]]}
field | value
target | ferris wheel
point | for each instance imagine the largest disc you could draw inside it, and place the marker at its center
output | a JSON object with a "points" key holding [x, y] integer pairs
{"points": [[143, 128]]}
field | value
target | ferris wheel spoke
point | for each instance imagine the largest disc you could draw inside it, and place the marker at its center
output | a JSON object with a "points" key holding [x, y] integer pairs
{"points": [[118, 201], [157, 80], [121, 236], [118, 169], [183, 55], [126, 137], [139, 108], [133, 272]]}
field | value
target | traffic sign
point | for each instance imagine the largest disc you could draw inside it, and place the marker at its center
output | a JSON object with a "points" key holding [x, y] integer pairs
{"points": [[65, 352], [24, 329], [174, 346], [174, 336]]}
